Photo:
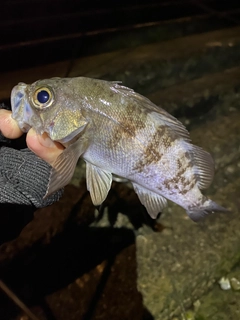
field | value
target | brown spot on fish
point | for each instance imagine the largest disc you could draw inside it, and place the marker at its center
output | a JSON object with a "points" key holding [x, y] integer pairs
{"points": [[114, 138], [179, 164], [151, 153], [169, 182], [130, 122], [180, 181], [183, 191], [161, 139], [134, 118], [192, 183], [186, 184]]}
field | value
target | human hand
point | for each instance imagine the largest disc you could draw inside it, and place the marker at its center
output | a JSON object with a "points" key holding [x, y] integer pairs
{"points": [[25, 174], [41, 145]]}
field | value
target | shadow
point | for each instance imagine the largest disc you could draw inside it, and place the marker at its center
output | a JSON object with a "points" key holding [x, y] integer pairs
{"points": [[69, 255], [8, 310], [76, 253], [13, 219], [79, 253], [123, 199], [147, 315]]}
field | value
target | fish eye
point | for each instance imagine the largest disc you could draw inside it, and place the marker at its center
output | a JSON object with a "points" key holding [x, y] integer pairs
{"points": [[42, 98]]}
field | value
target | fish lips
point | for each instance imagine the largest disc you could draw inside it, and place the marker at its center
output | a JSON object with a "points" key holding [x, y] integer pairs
{"points": [[21, 109]]}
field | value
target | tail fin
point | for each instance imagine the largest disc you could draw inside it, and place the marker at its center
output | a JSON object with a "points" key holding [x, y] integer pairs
{"points": [[209, 206]]}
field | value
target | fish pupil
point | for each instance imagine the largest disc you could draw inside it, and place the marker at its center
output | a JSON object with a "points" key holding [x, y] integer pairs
{"points": [[43, 96]]}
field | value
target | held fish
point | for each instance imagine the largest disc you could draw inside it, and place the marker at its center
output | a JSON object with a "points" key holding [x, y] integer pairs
{"points": [[117, 131]]}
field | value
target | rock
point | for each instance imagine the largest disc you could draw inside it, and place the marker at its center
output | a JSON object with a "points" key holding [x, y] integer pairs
{"points": [[218, 304], [235, 284], [224, 283]]}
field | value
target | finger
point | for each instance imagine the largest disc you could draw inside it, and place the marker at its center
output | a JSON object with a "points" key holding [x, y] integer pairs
{"points": [[43, 146], [8, 126]]}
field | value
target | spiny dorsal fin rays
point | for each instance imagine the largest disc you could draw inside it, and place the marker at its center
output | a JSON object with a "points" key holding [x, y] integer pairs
{"points": [[153, 202], [64, 166], [174, 125], [98, 183]]}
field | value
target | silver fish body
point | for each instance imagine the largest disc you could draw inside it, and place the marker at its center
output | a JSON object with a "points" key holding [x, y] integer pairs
{"points": [[117, 131]]}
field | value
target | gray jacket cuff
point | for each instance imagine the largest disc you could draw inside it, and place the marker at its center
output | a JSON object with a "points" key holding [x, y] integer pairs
{"points": [[24, 178]]}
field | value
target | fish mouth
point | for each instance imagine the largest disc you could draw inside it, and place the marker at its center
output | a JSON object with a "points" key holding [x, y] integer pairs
{"points": [[20, 106], [16, 96]]}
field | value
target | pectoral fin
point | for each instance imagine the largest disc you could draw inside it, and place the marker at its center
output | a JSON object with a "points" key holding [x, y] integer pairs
{"points": [[98, 183], [153, 202], [64, 166]]}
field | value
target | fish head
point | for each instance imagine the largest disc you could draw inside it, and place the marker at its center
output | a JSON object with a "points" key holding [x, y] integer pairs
{"points": [[52, 106]]}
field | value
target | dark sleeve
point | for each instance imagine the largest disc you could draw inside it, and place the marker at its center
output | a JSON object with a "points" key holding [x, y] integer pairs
{"points": [[24, 178]]}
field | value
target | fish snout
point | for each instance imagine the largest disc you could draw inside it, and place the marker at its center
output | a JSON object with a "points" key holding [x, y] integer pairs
{"points": [[16, 96], [21, 109]]}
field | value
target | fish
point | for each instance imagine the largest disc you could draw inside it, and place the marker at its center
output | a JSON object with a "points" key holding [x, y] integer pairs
{"points": [[117, 131]]}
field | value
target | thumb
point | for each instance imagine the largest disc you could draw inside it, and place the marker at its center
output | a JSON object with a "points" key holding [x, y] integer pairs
{"points": [[43, 146]]}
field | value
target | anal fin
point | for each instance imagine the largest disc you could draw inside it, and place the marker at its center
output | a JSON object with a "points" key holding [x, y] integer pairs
{"points": [[153, 202]]}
